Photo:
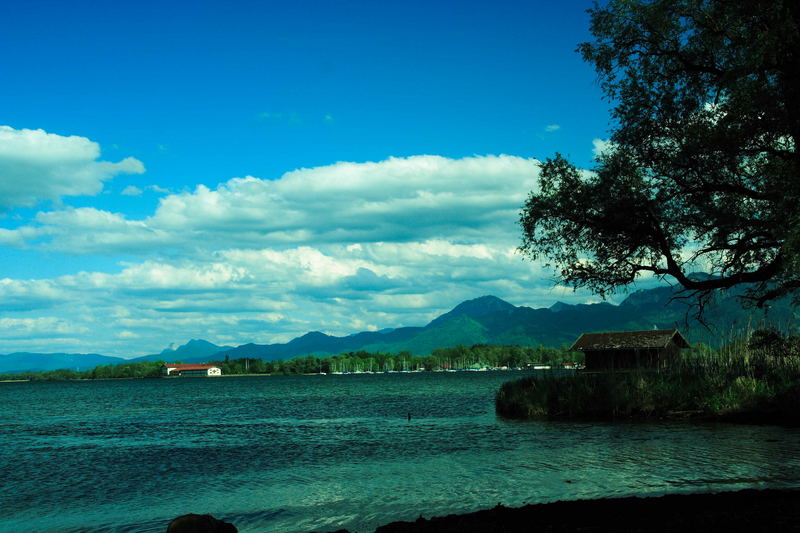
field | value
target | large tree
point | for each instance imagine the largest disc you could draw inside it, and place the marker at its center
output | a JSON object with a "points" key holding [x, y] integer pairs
{"points": [[701, 171]]}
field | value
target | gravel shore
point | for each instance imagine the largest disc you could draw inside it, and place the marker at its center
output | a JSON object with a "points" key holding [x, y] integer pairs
{"points": [[746, 510]]}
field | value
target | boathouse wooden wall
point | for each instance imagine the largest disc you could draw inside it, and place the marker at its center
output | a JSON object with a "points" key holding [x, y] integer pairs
{"points": [[652, 358]]}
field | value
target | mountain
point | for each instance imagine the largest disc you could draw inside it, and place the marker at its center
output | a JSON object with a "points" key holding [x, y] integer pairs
{"points": [[558, 306], [15, 363], [195, 349], [485, 305], [484, 320], [316, 343], [490, 320]]}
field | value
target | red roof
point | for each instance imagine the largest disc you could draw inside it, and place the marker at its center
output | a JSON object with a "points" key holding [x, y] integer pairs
{"points": [[189, 366]]}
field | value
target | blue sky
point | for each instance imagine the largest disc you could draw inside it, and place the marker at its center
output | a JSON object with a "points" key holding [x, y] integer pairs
{"points": [[249, 171]]}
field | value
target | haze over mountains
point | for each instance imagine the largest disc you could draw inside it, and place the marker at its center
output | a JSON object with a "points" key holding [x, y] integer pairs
{"points": [[484, 320]]}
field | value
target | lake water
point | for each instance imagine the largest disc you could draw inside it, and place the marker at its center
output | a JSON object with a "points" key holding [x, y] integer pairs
{"points": [[300, 453]]}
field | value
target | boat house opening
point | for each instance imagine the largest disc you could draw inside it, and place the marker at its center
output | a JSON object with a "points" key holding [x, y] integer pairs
{"points": [[647, 349]]}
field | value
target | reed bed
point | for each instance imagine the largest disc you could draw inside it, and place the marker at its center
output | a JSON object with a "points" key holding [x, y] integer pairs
{"points": [[756, 380]]}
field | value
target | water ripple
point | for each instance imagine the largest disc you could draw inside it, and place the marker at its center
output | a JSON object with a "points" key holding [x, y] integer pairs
{"points": [[304, 453]]}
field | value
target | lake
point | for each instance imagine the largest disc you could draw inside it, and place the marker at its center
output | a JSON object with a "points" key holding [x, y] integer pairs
{"points": [[299, 453]]}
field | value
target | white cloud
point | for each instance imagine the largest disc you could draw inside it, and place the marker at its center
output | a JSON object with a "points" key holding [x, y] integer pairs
{"points": [[433, 248], [290, 117], [93, 230], [36, 165], [42, 327], [150, 275], [340, 248], [268, 295], [600, 146], [552, 127], [131, 190], [400, 199], [11, 238], [27, 295]]}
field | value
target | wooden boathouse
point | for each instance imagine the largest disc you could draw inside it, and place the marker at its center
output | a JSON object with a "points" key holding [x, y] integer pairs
{"points": [[625, 350]]}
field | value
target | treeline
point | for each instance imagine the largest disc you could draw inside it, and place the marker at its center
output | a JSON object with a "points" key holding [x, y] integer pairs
{"points": [[143, 369], [456, 358]]}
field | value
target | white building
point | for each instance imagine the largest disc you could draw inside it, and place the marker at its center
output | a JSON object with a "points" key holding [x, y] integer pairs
{"points": [[190, 369]]}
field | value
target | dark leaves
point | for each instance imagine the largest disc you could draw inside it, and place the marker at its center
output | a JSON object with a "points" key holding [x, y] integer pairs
{"points": [[704, 174]]}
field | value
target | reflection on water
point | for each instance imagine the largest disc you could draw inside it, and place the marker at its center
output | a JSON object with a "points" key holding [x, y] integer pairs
{"points": [[325, 452]]}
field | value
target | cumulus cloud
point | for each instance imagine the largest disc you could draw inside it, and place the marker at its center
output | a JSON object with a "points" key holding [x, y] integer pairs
{"points": [[87, 229], [11, 238], [41, 327], [27, 295], [339, 248], [36, 165], [131, 190], [268, 295], [399, 199], [600, 146]]}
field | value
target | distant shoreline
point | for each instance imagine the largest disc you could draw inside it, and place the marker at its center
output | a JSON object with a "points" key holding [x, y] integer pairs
{"points": [[748, 509], [276, 374]]}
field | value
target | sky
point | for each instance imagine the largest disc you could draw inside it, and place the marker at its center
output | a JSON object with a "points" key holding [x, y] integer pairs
{"points": [[249, 171]]}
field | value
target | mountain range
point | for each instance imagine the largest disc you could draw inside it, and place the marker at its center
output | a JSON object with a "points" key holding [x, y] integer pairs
{"points": [[39, 362], [484, 320]]}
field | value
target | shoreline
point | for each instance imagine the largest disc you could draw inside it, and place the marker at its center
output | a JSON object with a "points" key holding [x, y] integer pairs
{"points": [[747, 509], [756, 417]]}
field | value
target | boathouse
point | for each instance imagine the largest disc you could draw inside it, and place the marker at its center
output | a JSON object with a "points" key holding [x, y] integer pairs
{"points": [[624, 350], [190, 369]]}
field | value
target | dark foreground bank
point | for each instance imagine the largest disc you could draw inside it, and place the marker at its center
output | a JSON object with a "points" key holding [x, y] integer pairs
{"points": [[746, 510]]}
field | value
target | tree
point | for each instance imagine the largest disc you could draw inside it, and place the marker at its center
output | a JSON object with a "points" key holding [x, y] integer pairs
{"points": [[701, 171]]}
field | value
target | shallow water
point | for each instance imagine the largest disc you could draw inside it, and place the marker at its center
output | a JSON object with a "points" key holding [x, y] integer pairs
{"points": [[298, 453]]}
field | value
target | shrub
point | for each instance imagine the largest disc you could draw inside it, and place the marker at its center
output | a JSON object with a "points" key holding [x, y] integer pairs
{"points": [[761, 375]]}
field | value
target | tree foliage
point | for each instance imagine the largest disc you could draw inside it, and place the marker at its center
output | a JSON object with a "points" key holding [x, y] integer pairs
{"points": [[701, 171], [457, 357], [142, 369]]}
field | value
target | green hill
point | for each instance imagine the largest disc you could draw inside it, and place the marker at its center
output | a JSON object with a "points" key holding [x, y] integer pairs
{"points": [[484, 320], [490, 320]]}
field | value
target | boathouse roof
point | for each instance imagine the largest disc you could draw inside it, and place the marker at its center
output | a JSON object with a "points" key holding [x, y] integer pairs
{"points": [[188, 366], [629, 340]]}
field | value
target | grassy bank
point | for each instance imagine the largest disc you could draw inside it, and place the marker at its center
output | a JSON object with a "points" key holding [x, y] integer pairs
{"points": [[757, 379]]}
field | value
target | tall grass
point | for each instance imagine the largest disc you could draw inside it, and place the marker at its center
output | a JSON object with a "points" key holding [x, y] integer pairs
{"points": [[757, 378]]}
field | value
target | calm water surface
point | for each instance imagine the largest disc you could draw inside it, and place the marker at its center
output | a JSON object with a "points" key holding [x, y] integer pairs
{"points": [[299, 453]]}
